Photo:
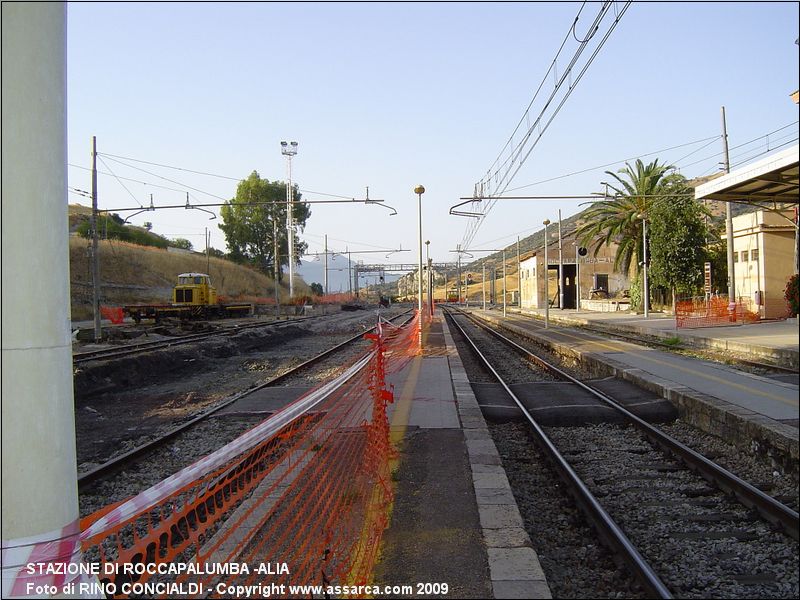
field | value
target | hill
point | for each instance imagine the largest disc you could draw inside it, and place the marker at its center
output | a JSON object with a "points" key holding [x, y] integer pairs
{"points": [[132, 274]]}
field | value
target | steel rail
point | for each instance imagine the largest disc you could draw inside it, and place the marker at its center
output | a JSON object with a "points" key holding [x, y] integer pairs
{"points": [[612, 533], [120, 461], [770, 509], [176, 341]]}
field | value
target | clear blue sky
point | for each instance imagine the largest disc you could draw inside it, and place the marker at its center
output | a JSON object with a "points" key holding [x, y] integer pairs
{"points": [[393, 95]]}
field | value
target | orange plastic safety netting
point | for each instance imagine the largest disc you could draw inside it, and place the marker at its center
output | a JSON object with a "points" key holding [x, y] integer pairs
{"points": [[114, 314], [713, 311], [300, 499]]}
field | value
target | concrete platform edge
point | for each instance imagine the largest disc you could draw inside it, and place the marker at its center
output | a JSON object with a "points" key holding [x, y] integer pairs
{"points": [[746, 429], [515, 571]]}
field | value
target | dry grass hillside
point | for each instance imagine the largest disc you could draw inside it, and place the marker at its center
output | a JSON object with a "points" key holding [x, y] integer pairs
{"points": [[132, 274]]}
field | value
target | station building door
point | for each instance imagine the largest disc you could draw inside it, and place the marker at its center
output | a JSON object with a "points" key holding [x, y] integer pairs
{"points": [[568, 273]]}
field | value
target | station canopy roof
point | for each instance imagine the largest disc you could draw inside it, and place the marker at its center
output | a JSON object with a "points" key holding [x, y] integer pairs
{"points": [[769, 180]]}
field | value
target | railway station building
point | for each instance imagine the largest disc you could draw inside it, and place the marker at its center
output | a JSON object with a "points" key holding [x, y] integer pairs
{"points": [[591, 277]]}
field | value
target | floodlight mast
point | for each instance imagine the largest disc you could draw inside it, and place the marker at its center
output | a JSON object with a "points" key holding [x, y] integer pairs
{"points": [[289, 149]]}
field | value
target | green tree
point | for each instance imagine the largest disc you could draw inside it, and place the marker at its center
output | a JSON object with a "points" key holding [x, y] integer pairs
{"points": [[677, 241], [617, 219], [182, 243], [248, 221], [113, 227], [316, 289]]}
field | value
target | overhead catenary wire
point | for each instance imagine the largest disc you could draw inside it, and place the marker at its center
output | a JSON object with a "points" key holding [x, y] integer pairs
{"points": [[612, 163], [735, 162], [749, 158], [500, 176], [135, 199], [518, 149], [197, 172], [706, 141], [742, 145]]}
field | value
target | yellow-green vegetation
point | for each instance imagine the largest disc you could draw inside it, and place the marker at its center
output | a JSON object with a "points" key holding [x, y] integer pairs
{"points": [[132, 274]]}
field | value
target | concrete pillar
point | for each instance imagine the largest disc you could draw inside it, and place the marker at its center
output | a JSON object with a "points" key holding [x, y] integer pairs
{"points": [[39, 488]]}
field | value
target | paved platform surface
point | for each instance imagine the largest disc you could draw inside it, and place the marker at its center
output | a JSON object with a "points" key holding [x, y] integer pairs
{"points": [[454, 518], [778, 339]]}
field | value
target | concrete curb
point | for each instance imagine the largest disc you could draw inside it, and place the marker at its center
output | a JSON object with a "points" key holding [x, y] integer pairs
{"points": [[514, 567]]}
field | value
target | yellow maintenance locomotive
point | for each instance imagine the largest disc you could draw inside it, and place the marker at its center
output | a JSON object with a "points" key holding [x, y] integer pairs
{"points": [[192, 298]]}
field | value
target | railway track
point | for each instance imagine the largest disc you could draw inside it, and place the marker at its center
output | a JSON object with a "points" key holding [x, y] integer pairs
{"points": [[122, 461], [131, 349], [656, 514]]}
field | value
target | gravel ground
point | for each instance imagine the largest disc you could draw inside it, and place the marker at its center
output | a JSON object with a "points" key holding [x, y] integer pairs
{"points": [[513, 371], [701, 542], [754, 469], [574, 561]]}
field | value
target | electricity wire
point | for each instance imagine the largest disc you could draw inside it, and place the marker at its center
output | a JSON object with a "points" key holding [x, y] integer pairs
{"points": [[611, 164], [196, 172], [502, 181], [119, 180]]}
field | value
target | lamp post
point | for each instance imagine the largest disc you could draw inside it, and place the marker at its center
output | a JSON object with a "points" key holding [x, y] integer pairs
{"points": [[644, 266], [289, 149], [458, 272], [577, 277], [483, 285], [429, 263], [504, 282], [419, 190], [546, 222]]}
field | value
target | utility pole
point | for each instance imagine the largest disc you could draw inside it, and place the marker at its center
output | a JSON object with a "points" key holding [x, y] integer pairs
{"points": [[326, 264], [458, 270], [349, 273], [98, 330], [504, 282], [560, 267], [276, 266], [483, 284], [519, 278], [646, 284], [208, 256], [577, 277], [728, 218], [546, 222]]}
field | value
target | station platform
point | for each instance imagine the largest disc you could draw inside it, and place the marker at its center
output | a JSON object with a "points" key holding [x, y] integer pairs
{"points": [[754, 412], [776, 340], [454, 519]]}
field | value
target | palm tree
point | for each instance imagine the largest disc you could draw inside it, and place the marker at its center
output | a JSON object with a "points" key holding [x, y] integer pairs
{"points": [[618, 218]]}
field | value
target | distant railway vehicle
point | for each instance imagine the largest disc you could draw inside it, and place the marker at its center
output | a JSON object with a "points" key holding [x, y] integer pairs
{"points": [[192, 298]]}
